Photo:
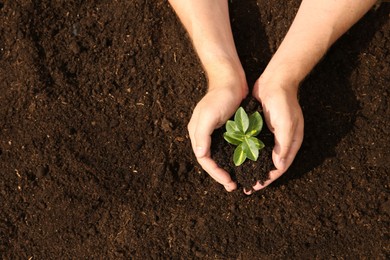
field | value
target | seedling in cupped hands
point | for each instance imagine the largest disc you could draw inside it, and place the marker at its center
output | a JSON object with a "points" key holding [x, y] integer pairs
{"points": [[242, 132]]}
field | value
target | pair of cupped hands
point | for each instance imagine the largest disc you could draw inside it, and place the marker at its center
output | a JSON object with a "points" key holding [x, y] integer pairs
{"points": [[282, 114]]}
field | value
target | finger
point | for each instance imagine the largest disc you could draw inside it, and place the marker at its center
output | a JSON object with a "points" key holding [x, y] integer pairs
{"points": [[200, 134], [191, 129], [284, 134], [217, 173], [273, 175], [288, 140], [205, 126]]}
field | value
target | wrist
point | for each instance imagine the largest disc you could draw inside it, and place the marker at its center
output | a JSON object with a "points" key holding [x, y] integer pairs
{"points": [[290, 69], [225, 72], [280, 78], [269, 86]]}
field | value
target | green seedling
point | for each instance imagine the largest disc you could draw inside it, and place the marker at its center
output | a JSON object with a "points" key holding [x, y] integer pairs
{"points": [[242, 132]]}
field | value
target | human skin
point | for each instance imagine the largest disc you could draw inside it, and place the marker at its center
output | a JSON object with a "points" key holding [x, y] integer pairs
{"points": [[317, 25]]}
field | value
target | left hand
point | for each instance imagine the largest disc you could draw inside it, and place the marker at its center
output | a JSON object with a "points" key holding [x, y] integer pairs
{"points": [[212, 111], [284, 118]]}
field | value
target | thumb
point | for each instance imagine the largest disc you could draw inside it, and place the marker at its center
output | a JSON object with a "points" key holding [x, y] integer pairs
{"points": [[202, 135], [283, 143], [287, 144]]}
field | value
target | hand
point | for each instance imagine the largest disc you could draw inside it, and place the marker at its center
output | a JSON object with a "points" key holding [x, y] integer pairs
{"points": [[284, 118], [213, 110]]}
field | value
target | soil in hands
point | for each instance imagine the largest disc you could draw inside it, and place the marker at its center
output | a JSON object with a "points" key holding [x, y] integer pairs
{"points": [[250, 172]]}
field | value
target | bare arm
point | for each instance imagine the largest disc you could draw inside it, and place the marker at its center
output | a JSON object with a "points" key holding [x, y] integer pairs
{"points": [[317, 25], [208, 24]]}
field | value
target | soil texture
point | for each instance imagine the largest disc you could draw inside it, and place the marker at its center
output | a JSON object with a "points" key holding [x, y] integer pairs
{"points": [[95, 158]]}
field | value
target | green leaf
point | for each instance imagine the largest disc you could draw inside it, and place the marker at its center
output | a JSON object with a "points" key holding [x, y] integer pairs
{"points": [[241, 119], [259, 144], [242, 132], [239, 156], [231, 126], [255, 124], [250, 149], [235, 138]]}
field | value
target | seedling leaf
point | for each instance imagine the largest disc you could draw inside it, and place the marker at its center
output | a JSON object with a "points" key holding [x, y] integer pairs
{"points": [[231, 126], [242, 132], [259, 144], [250, 149], [239, 156], [255, 124], [235, 138], [241, 119]]}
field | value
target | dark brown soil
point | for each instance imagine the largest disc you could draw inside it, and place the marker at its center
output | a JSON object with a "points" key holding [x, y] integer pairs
{"points": [[95, 160], [247, 174]]}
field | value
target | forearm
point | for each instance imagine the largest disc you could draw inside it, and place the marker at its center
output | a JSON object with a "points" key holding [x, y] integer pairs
{"points": [[317, 25], [207, 22]]}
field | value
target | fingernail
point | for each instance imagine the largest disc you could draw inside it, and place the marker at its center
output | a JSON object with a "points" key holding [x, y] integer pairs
{"points": [[230, 187], [247, 192]]}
